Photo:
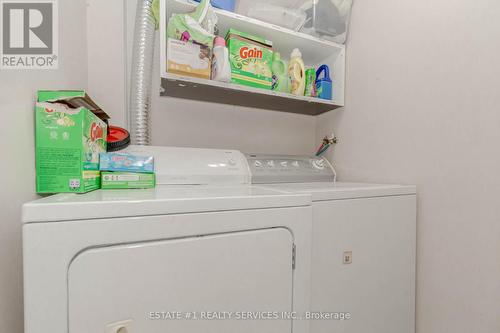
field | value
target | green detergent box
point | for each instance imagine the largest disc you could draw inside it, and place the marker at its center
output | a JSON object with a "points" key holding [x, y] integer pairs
{"points": [[127, 180], [251, 59], [70, 134]]}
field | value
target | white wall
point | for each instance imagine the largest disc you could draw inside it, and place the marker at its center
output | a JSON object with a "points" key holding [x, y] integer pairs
{"points": [[177, 122], [107, 56], [17, 100], [422, 107]]}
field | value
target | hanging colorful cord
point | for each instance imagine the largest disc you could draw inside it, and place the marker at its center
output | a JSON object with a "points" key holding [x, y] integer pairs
{"points": [[328, 141]]}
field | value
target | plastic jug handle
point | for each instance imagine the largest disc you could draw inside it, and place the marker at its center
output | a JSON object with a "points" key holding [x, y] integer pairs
{"points": [[323, 69]]}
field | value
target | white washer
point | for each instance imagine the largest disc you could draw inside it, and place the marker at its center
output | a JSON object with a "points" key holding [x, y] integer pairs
{"points": [[363, 246], [177, 258]]}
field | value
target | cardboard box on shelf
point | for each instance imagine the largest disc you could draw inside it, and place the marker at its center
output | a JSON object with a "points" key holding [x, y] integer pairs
{"points": [[251, 59], [186, 58]]}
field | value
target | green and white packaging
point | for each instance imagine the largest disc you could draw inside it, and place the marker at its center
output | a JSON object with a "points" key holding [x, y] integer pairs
{"points": [[69, 137], [127, 180], [195, 27], [251, 59]]}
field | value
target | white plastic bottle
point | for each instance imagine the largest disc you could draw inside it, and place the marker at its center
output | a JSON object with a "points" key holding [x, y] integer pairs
{"points": [[221, 68], [296, 71]]}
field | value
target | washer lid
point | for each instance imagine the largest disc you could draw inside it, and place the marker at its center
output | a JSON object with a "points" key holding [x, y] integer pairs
{"points": [[162, 200], [340, 190]]}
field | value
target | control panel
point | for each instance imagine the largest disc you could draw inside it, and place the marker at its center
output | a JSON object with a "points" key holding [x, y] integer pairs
{"points": [[269, 169]]}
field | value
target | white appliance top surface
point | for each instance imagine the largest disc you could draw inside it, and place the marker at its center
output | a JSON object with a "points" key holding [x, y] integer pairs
{"points": [[163, 200], [340, 190]]}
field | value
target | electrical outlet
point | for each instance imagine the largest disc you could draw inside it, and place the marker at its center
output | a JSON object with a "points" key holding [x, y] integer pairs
{"points": [[347, 257], [120, 327]]}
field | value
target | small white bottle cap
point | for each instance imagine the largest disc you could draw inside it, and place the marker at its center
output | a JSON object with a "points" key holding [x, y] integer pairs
{"points": [[296, 53]]}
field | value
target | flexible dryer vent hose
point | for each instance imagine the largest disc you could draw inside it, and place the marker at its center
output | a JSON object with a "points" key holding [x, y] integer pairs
{"points": [[142, 72]]}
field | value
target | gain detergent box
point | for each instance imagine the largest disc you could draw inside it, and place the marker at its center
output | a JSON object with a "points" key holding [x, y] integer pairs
{"points": [[251, 59], [70, 133]]}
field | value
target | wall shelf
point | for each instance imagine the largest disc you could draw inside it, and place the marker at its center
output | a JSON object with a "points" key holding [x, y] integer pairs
{"points": [[315, 52], [228, 93]]}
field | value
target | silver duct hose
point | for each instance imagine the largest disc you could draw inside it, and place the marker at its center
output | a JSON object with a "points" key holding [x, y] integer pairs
{"points": [[142, 72]]}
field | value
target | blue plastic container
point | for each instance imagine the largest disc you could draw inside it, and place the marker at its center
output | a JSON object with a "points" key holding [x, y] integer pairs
{"points": [[324, 84], [228, 5]]}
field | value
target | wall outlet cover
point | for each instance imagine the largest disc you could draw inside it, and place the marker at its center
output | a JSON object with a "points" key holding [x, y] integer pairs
{"points": [[347, 257]]}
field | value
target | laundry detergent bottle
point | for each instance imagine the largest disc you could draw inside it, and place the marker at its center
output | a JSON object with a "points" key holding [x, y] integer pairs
{"points": [[280, 74], [221, 68], [324, 83], [296, 72]]}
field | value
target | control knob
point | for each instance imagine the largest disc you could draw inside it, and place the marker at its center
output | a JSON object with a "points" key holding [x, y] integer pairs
{"points": [[319, 164]]}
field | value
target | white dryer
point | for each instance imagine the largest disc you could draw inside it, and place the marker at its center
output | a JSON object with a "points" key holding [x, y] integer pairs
{"points": [[363, 246], [203, 252]]}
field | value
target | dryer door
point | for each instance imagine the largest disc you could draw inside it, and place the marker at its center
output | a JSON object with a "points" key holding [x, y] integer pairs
{"points": [[218, 283]]}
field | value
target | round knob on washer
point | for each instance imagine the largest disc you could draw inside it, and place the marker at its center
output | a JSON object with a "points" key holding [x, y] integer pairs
{"points": [[319, 164]]}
